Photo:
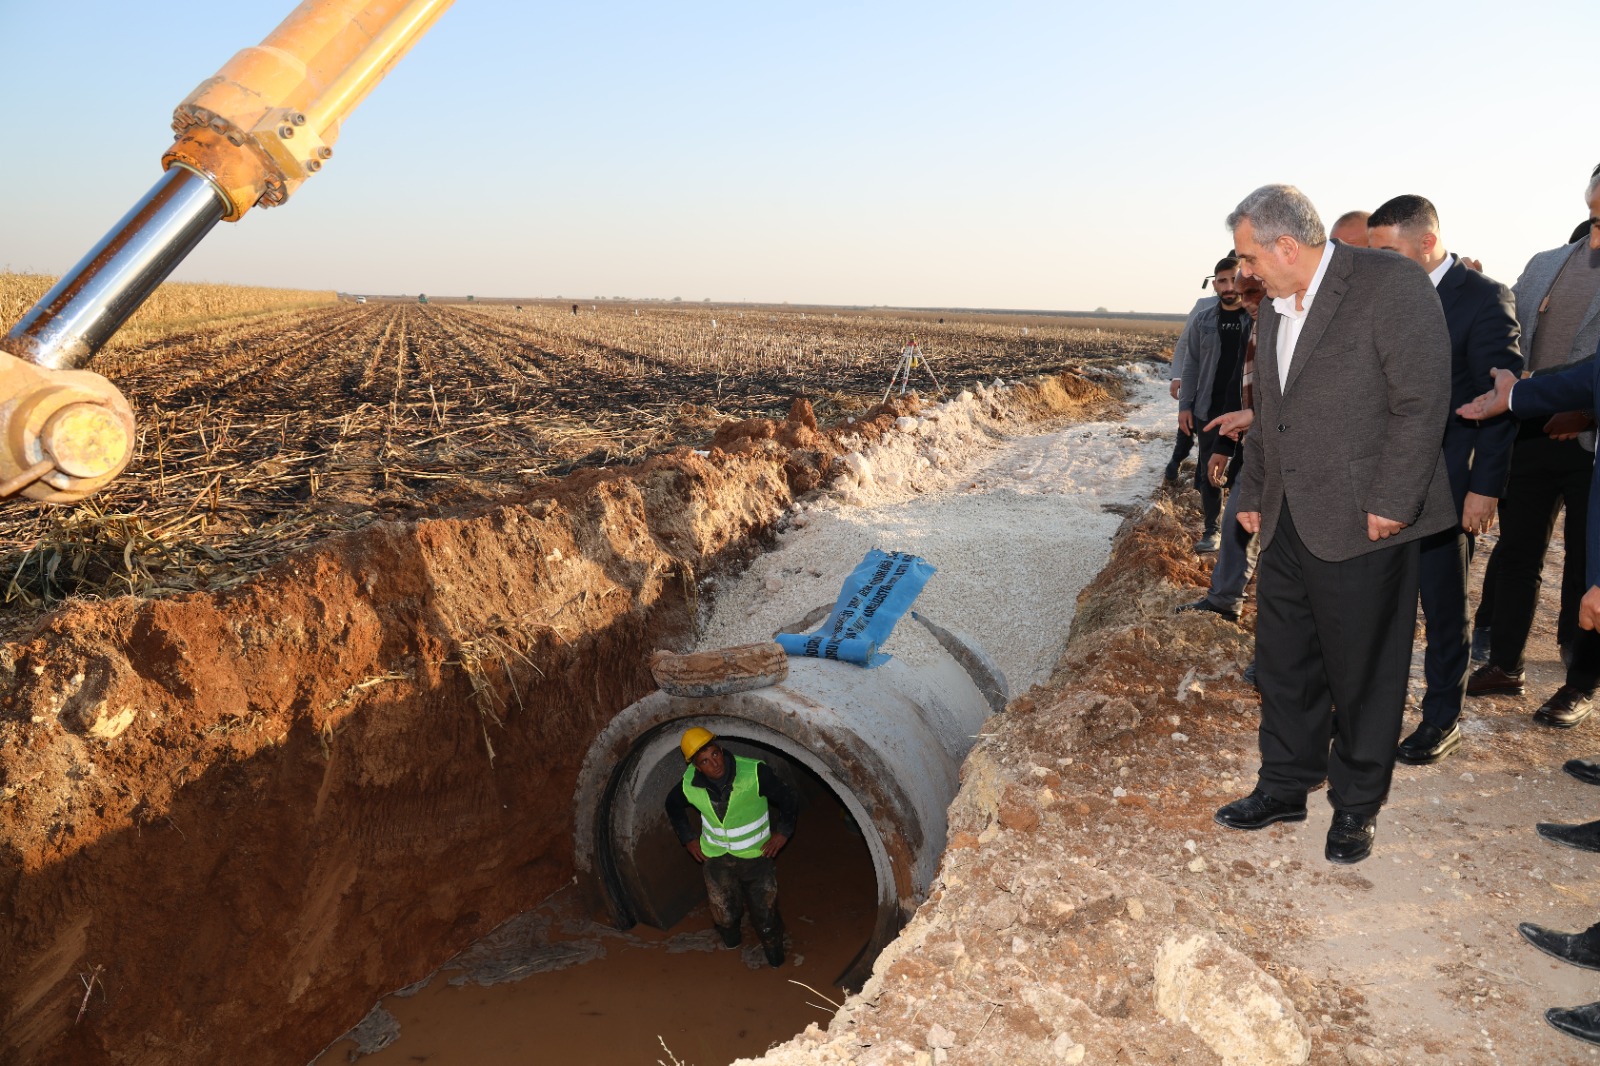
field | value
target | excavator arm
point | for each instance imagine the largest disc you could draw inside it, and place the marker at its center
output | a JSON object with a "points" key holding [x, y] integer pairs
{"points": [[247, 137]]}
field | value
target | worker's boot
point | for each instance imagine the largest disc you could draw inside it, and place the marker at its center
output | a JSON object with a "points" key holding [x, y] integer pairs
{"points": [[774, 952], [730, 935]]}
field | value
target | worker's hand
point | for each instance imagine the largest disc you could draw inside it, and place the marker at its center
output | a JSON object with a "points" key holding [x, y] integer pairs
{"points": [[1381, 528], [1496, 401], [1568, 424], [1477, 513], [694, 849], [1251, 521], [1217, 469], [1589, 609], [1186, 421], [774, 845], [1173, 388], [1233, 424], [1472, 264]]}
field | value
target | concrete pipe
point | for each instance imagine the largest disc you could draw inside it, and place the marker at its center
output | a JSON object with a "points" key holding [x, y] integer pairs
{"points": [[887, 742]]}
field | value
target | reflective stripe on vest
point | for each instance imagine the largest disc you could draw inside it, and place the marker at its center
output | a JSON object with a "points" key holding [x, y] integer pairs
{"points": [[744, 828]]}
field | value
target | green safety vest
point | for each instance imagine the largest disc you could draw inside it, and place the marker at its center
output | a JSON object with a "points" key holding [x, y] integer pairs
{"points": [[741, 831]]}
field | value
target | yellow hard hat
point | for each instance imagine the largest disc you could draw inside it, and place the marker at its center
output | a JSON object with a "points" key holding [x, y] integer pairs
{"points": [[693, 740]]}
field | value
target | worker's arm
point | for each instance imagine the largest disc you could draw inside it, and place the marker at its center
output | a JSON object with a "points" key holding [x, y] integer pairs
{"points": [[684, 818], [783, 808]]}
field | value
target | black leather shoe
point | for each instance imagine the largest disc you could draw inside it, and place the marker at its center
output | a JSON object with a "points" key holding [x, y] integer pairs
{"points": [[1568, 947], [1584, 837], [1493, 681], [1480, 645], [1203, 604], [1566, 708], [730, 935], [1585, 770], [1582, 1022], [1350, 837], [1259, 810], [774, 953], [1428, 744]]}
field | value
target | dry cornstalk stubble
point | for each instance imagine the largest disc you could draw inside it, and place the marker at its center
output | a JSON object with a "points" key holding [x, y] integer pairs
{"points": [[262, 432]]}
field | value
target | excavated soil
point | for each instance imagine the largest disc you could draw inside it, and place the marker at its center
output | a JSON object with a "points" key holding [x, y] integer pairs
{"points": [[1089, 910]]}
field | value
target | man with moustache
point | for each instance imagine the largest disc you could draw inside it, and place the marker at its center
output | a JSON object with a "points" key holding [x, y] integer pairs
{"points": [[1237, 556], [1341, 479], [1214, 341], [1483, 328]]}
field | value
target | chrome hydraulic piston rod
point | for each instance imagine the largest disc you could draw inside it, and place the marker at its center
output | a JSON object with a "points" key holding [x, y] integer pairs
{"points": [[93, 299]]}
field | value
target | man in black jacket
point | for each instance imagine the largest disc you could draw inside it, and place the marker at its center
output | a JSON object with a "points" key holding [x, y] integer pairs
{"points": [[1481, 316]]}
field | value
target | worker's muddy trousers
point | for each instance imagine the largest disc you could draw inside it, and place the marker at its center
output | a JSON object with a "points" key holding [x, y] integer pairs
{"points": [[732, 884]]}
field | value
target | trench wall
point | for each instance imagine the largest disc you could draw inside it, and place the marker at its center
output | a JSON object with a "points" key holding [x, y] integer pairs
{"points": [[229, 822], [242, 817]]}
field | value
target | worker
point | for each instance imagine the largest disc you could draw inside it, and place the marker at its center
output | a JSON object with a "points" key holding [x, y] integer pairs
{"points": [[747, 815]]}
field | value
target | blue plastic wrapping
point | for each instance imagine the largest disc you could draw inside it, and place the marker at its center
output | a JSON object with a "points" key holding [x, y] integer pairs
{"points": [[875, 596]]}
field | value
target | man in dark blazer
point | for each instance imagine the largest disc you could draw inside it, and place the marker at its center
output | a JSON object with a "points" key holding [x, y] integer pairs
{"points": [[1342, 477], [1576, 388], [1481, 316]]}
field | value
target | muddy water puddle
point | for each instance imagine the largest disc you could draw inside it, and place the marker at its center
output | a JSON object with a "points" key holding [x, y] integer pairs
{"points": [[555, 987]]}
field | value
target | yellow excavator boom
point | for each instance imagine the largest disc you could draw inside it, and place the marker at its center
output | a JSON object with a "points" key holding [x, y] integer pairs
{"points": [[247, 137]]}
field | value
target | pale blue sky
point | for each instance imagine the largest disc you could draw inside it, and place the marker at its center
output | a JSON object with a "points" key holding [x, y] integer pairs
{"points": [[1022, 155]]}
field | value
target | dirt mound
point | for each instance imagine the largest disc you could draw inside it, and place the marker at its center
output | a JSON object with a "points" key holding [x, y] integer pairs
{"points": [[230, 821]]}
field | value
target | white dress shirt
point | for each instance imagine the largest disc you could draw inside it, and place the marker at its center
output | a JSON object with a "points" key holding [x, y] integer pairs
{"points": [[1291, 320], [1437, 274]]}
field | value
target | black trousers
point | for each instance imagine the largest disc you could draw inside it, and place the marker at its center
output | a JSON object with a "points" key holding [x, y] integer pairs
{"points": [[1443, 564], [1545, 476], [1210, 495], [1180, 452], [1332, 634], [733, 883]]}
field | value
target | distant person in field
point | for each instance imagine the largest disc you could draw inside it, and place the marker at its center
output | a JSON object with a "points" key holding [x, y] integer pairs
{"points": [[1481, 316], [1558, 306], [1341, 479], [1213, 345]]}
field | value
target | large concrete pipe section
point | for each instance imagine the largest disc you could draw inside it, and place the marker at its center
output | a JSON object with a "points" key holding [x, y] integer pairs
{"points": [[888, 742]]}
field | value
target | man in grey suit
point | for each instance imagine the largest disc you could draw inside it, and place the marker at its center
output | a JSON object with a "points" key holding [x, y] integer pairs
{"points": [[1558, 304], [1342, 476]]}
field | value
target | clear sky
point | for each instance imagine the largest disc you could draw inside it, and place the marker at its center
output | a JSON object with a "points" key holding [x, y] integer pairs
{"points": [[1022, 155]]}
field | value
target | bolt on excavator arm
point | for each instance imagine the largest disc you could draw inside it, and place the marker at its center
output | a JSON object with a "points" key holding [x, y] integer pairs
{"points": [[247, 137]]}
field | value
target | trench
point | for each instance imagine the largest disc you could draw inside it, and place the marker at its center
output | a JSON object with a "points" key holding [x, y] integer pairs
{"points": [[875, 755]]}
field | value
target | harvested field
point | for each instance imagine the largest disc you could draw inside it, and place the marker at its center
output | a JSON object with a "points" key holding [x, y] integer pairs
{"points": [[261, 434]]}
